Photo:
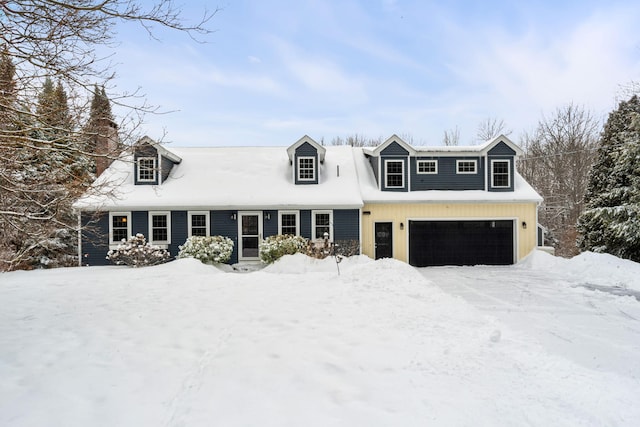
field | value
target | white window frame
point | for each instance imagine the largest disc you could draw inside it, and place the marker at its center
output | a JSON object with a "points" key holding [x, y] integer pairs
{"points": [[508, 173], [386, 173], [313, 168], [162, 243], [432, 161], [472, 161], [313, 223], [112, 244], [297, 215], [190, 214], [154, 169]]}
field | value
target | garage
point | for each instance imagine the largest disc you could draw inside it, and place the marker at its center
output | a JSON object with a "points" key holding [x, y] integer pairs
{"points": [[478, 242]]}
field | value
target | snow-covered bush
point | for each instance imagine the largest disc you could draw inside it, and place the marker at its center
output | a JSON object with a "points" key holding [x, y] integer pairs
{"points": [[137, 252], [274, 247], [209, 249]]}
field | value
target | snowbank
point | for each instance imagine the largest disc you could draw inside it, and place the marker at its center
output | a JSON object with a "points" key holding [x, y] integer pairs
{"points": [[601, 270]]}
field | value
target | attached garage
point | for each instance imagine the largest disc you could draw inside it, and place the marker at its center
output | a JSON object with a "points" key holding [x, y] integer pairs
{"points": [[466, 242]]}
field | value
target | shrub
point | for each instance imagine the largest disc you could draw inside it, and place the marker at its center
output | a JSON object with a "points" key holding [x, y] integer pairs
{"points": [[136, 252], [321, 248], [209, 249], [274, 247]]}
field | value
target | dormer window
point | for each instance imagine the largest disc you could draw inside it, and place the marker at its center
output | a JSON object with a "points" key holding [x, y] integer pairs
{"points": [[306, 168], [146, 169], [394, 173], [500, 174]]}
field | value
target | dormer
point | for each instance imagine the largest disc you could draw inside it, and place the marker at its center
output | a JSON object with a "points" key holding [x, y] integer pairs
{"points": [[306, 156], [152, 162], [390, 162], [501, 154]]}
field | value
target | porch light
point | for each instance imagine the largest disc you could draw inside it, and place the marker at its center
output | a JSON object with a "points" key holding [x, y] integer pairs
{"points": [[524, 225], [268, 216], [234, 217], [402, 226]]}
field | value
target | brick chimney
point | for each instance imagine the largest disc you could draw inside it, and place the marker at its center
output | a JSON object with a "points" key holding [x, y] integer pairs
{"points": [[107, 147]]}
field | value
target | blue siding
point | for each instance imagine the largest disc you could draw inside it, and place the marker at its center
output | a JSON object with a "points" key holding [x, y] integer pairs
{"points": [[447, 177], [269, 226], [346, 224], [373, 161], [306, 150], [140, 223], [501, 149], [166, 167], [394, 149], [223, 225], [305, 224], [179, 231], [95, 238]]}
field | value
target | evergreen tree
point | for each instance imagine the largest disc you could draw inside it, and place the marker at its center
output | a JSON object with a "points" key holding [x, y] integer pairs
{"points": [[611, 220], [7, 87]]}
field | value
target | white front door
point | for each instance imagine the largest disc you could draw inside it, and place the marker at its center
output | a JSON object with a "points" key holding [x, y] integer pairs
{"points": [[250, 232]]}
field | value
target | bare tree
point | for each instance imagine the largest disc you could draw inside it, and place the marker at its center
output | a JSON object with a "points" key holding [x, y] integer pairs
{"points": [[58, 40], [451, 137], [490, 128], [356, 140], [559, 156]]}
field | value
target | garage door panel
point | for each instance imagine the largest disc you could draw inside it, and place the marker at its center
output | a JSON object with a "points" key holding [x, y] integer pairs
{"points": [[434, 243]]}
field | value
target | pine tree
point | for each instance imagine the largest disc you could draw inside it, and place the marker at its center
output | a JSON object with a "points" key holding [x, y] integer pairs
{"points": [[611, 220], [7, 87]]}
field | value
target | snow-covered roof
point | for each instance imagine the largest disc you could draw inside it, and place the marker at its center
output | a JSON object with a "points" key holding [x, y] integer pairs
{"points": [[471, 150], [262, 178], [231, 178]]}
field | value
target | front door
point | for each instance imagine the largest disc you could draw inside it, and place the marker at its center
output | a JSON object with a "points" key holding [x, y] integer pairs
{"points": [[383, 239], [250, 232]]}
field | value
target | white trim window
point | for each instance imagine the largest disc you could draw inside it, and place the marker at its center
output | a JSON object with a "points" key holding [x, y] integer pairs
{"points": [[500, 173], [198, 223], [394, 173], [321, 222], [119, 227], [289, 222], [466, 166], [427, 166], [306, 168], [147, 169], [159, 228]]}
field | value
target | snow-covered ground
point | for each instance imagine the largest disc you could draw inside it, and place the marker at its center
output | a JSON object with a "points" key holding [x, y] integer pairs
{"points": [[382, 344]]}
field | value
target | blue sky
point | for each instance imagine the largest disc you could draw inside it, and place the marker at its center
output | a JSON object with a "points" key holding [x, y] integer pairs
{"points": [[274, 71]]}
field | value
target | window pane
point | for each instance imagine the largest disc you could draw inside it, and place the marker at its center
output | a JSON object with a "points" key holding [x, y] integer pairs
{"points": [[119, 234], [198, 221], [120, 221], [146, 169], [306, 168], [159, 228], [160, 234], [199, 231], [249, 224], [288, 225], [394, 167], [322, 225]]}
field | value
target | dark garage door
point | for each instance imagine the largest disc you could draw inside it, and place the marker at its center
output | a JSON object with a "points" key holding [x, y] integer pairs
{"points": [[460, 243]]}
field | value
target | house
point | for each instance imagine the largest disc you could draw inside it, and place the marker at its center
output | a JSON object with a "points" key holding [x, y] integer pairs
{"points": [[427, 206]]}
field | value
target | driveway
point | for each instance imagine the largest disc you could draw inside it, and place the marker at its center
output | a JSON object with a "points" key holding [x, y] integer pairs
{"points": [[594, 328]]}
